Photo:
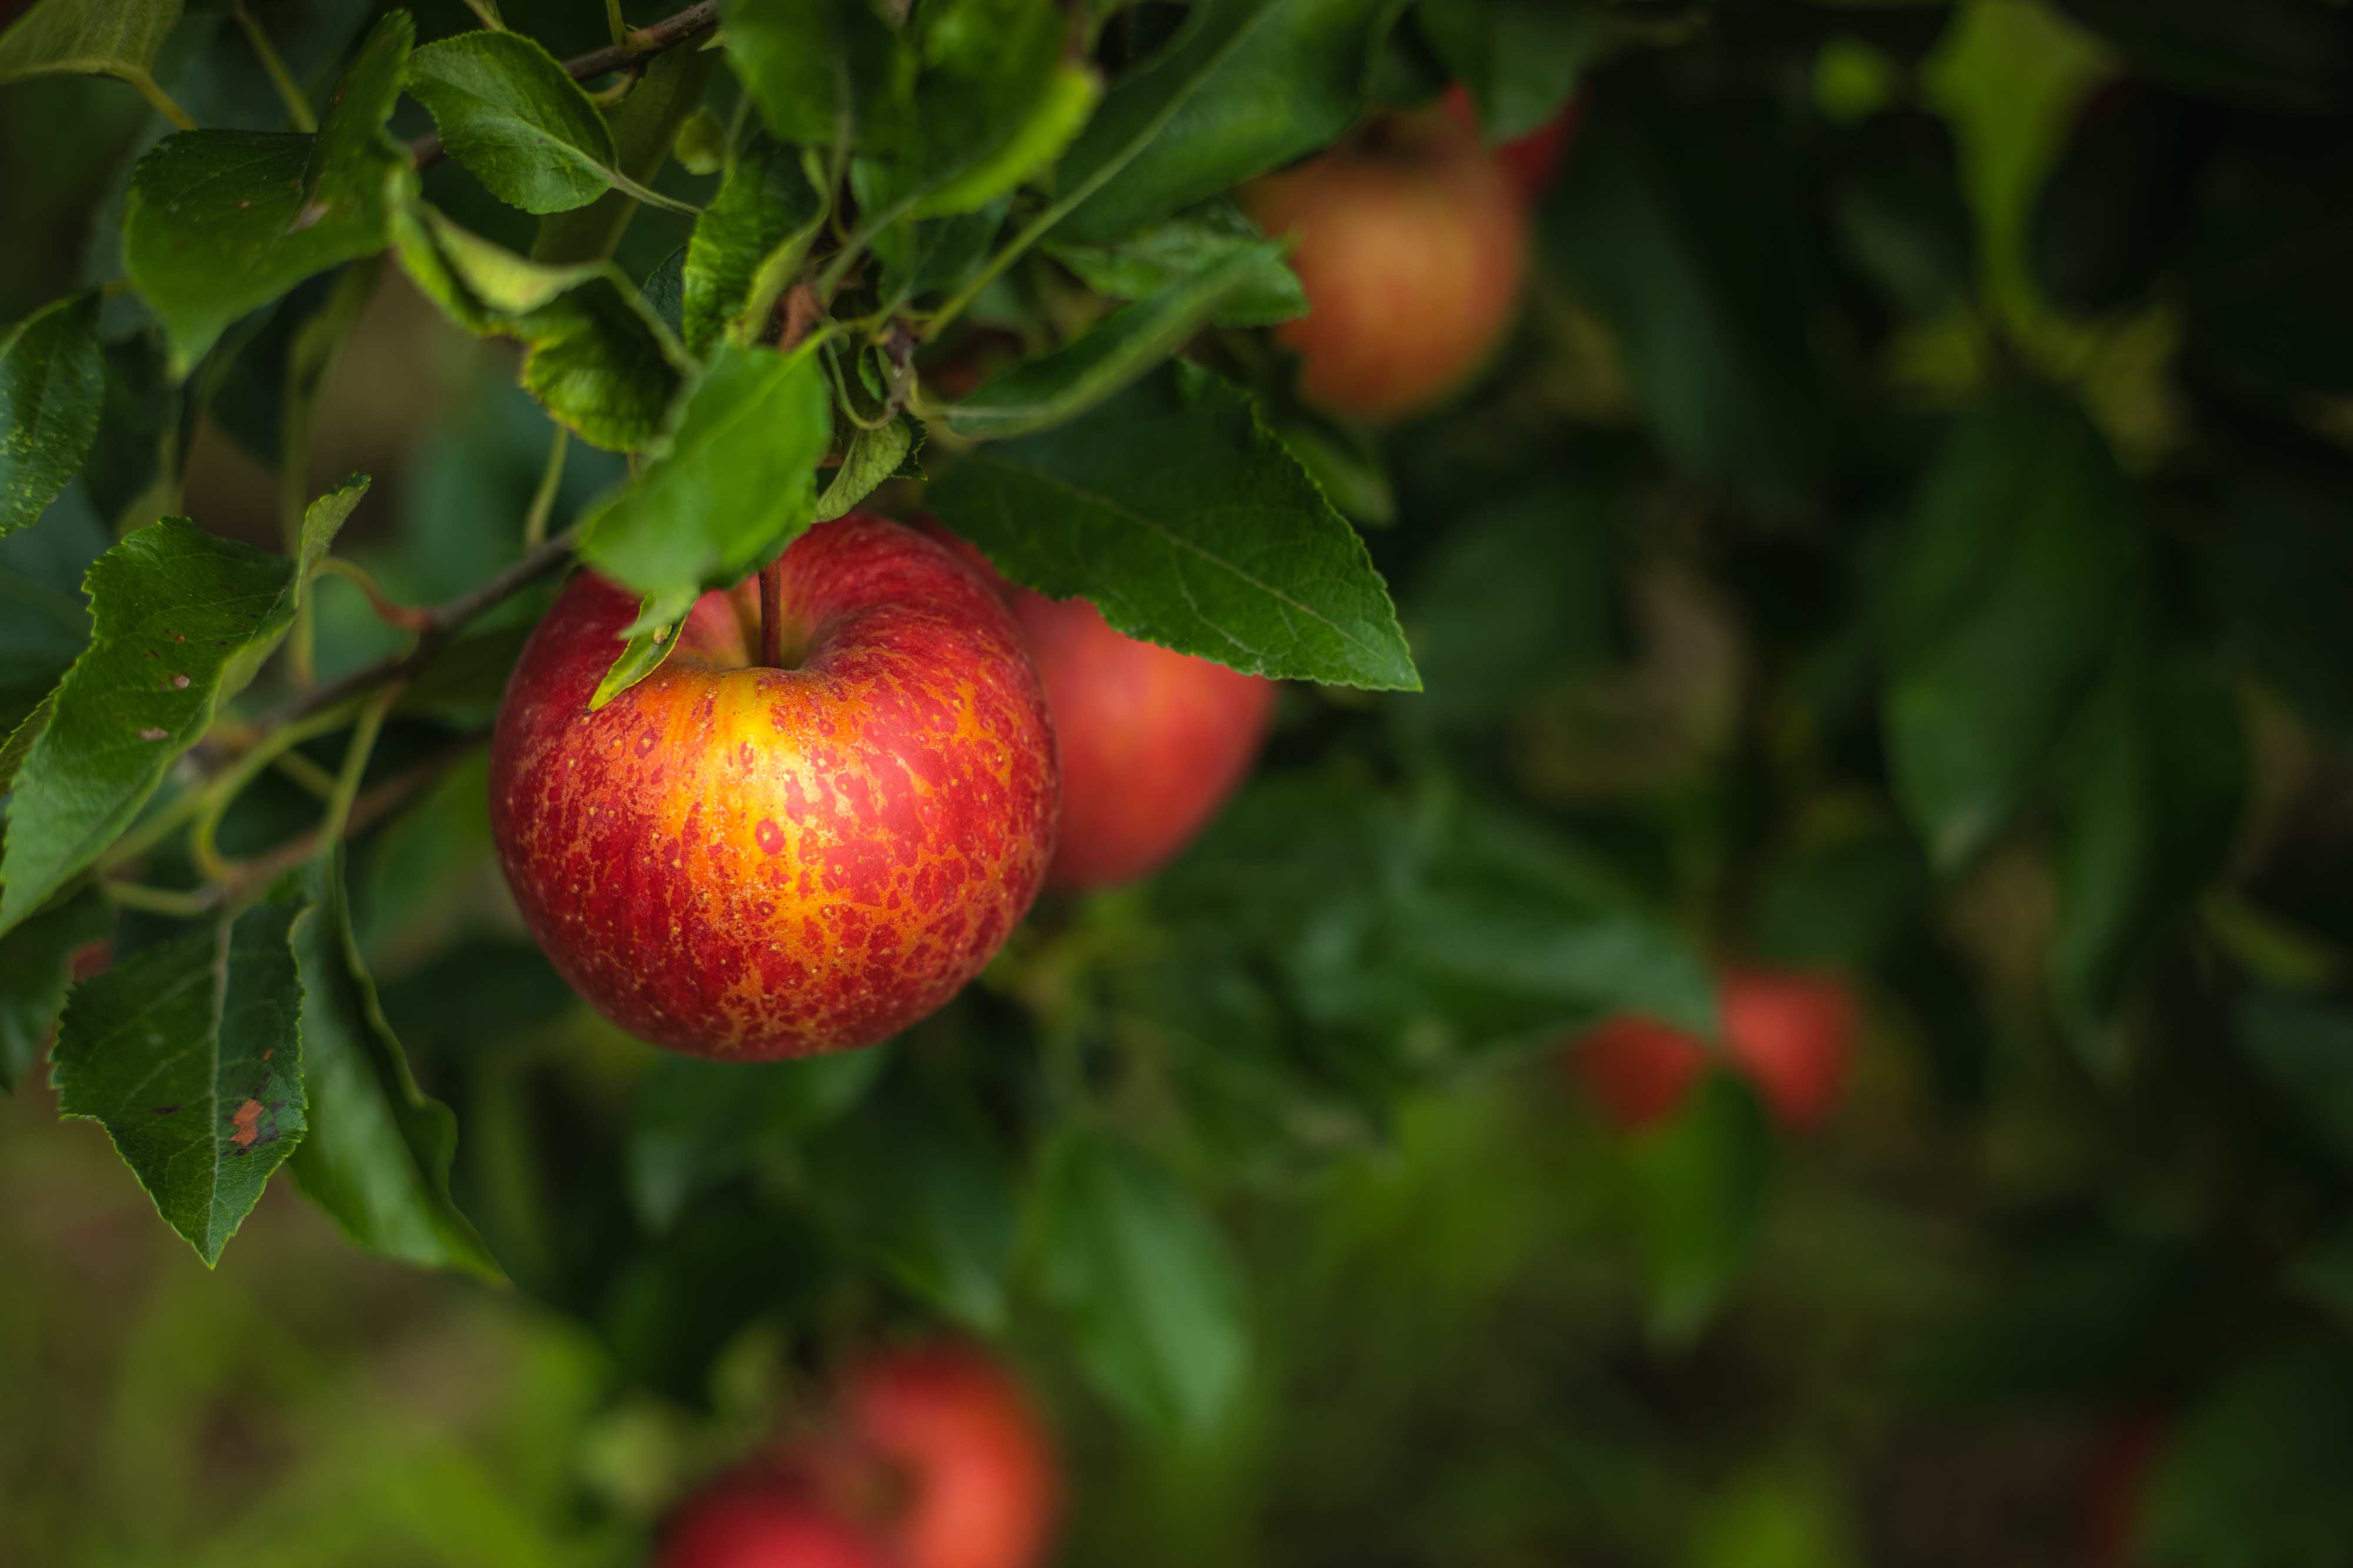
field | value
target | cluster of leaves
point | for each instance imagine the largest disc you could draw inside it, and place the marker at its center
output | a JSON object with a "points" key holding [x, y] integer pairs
{"points": [[1884, 548]]}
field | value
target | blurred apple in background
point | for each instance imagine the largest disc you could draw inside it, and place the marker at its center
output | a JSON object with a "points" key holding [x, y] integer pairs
{"points": [[1412, 243], [1152, 741], [754, 1520], [1790, 1035]]}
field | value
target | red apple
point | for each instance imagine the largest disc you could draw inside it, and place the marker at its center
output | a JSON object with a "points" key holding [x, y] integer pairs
{"points": [[1790, 1034], [977, 1474], [1152, 741], [1413, 247], [755, 1522], [1638, 1069], [1530, 160], [938, 1453], [756, 863]]}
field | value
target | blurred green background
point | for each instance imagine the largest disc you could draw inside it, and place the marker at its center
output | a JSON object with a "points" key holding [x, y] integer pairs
{"points": [[2094, 1180]]}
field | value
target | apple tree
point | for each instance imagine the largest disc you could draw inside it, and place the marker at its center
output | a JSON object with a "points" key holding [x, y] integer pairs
{"points": [[1791, 497]]}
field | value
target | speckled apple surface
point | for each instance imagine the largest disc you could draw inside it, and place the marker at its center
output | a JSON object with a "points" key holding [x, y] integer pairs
{"points": [[758, 863]]}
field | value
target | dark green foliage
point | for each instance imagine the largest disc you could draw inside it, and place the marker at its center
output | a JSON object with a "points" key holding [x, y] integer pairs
{"points": [[1905, 538]]}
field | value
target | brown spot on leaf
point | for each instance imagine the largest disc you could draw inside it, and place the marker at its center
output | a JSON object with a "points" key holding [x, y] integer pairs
{"points": [[154, 732], [247, 1120]]}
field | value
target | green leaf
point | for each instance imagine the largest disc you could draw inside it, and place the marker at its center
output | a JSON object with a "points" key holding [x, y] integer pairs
{"points": [[1347, 465], [36, 961], [918, 258], [222, 222], [921, 1183], [1518, 923], [1438, 911], [1194, 242], [1022, 147], [52, 386], [749, 243], [702, 142], [2160, 778], [19, 744], [1056, 388], [1680, 228], [697, 1124], [1246, 86], [1521, 589], [509, 112], [596, 354], [324, 517], [731, 481], [645, 125], [639, 656], [378, 1153], [175, 609], [142, 430], [190, 1054], [1700, 1184], [2252, 1475], [816, 67], [44, 626], [1188, 525], [264, 390], [1155, 1305], [969, 101], [2305, 1049], [1520, 59], [97, 37], [2023, 556], [871, 457]]}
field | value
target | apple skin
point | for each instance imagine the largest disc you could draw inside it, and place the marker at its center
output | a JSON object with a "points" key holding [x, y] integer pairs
{"points": [[1530, 160], [742, 862], [981, 1489], [938, 1453], [1152, 741], [1791, 1036], [755, 1522], [1412, 245]]}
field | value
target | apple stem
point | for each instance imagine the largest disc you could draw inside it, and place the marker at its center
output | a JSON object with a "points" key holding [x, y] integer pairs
{"points": [[772, 614]]}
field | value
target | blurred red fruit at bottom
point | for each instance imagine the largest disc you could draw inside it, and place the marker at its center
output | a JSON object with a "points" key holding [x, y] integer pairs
{"points": [[1791, 1036], [976, 1472], [755, 1522]]}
